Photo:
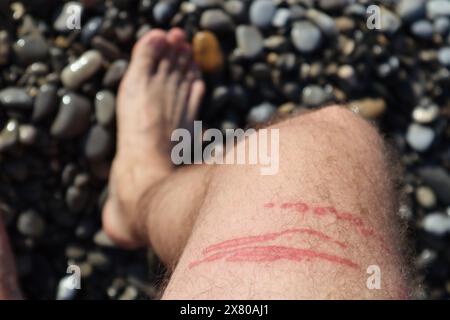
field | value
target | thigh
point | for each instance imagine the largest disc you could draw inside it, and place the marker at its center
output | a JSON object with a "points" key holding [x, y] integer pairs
{"points": [[323, 227]]}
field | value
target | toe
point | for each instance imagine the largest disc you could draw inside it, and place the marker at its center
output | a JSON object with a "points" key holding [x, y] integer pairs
{"points": [[197, 91], [166, 63], [184, 58], [176, 36], [148, 51], [177, 50]]}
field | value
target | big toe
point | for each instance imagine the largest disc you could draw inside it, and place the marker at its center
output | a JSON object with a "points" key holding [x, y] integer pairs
{"points": [[148, 51]]}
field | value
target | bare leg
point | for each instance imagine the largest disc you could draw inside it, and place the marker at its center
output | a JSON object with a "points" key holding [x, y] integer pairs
{"points": [[311, 231], [319, 229], [9, 289], [160, 92]]}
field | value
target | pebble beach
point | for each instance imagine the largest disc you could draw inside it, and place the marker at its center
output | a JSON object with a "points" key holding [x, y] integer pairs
{"points": [[259, 59]]}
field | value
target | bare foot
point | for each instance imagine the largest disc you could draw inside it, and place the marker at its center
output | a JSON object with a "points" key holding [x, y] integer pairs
{"points": [[160, 92], [9, 289]]}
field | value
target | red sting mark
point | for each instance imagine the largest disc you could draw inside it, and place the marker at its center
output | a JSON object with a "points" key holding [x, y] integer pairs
{"points": [[273, 253], [320, 211], [269, 205], [269, 237]]}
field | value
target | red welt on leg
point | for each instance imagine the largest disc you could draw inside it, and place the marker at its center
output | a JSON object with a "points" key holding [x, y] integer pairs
{"points": [[274, 253], [321, 211], [269, 237]]}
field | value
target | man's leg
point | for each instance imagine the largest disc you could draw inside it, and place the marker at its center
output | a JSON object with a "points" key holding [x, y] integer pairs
{"points": [[311, 231]]}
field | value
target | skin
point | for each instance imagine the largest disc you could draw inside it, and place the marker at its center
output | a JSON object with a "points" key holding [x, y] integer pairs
{"points": [[9, 289], [226, 231]]}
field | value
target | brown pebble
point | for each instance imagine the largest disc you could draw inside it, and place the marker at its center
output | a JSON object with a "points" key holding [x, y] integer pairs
{"points": [[207, 52], [369, 108]]}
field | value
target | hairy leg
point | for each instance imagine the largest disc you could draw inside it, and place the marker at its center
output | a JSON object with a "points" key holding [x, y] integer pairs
{"points": [[310, 231], [319, 229]]}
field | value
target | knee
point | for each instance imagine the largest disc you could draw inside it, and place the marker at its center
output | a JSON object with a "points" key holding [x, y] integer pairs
{"points": [[341, 120], [336, 127]]}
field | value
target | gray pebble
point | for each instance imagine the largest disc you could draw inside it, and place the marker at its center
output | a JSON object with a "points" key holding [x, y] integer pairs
{"points": [[437, 179], [98, 260], [105, 107], [27, 134], [306, 37], [130, 293], [216, 20], [101, 239], [425, 258], [356, 9], [442, 25], [436, 223], [297, 12], [249, 41], [281, 17], [411, 10], [207, 3], [314, 96], [9, 136], [163, 11], [73, 116], [261, 113], [91, 29], [31, 48], [68, 174], [75, 252], [81, 180], [326, 23], [262, 12], [422, 29], [82, 69], [276, 43], [45, 102], [419, 137], [66, 289], [390, 22], [108, 49], [38, 69], [236, 9], [333, 4], [31, 224], [15, 98], [98, 143], [438, 8], [76, 199], [115, 73], [444, 56]]}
